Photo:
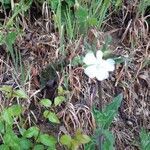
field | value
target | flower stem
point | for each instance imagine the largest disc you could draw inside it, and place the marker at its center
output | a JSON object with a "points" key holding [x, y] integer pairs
{"points": [[100, 95], [100, 137]]}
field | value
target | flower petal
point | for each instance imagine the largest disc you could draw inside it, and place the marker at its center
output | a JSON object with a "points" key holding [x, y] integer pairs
{"points": [[89, 59], [102, 74], [99, 55], [90, 71], [109, 64]]}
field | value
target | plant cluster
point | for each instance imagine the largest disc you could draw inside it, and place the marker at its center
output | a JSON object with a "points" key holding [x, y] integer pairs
{"points": [[71, 20]]}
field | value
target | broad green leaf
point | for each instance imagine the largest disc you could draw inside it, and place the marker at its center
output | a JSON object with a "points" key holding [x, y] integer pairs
{"points": [[7, 117], [51, 116], [58, 100], [47, 140], [25, 144], [66, 140], [90, 145], [109, 141], [105, 118], [46, 102], [144, 140], [12, 140], [38, 147], [4, 147], [15, 110], [54, 4], [31, 132], [115, 104]]}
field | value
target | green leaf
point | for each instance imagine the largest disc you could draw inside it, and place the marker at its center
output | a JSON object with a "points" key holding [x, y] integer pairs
{"points": [[82, 138], [105, 118], [20, 94], [6, 88], [31, 132], [109, 141], [115, 104], [15, 110], [51, 116], [7, 117], [70, 2], [66, 140], [144, 140], [10, 92], [74, 145], [12, 140], [46, 102], [38, 147], [11, 38], [25, 144], [77, 60], [4, 147], [47, 140], [61, 91], [58, 100], [81, 14], [2, 129], [54, 4], [92, 21]]}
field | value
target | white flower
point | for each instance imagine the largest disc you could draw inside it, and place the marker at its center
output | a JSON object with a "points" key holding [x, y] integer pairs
{"points": [[98, 67]]}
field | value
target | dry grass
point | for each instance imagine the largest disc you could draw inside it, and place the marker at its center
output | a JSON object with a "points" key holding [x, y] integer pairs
{"points": [[131, 39]]}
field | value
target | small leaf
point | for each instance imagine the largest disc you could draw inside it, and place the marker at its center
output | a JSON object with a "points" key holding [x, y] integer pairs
{"points": [[81, 14], [51, 116], [38, 147], [48, 140], [66, 140], [20, 94], [74, 144], [6, 88], [58, 100], [25, 144], [10, 92], [11, 37], [4, 147], [7, 117], [15, 110], [31, 132], [61, 91], [92, 21], [46, 102], [82, 138]]}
